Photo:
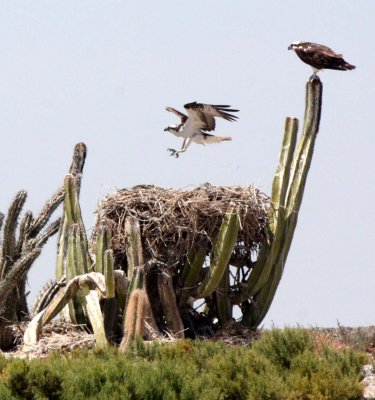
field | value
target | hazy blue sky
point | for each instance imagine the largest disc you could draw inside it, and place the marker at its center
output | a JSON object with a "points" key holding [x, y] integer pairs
{"points": [[103, 71]]}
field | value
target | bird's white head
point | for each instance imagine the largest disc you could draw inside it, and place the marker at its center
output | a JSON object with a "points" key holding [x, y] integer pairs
{"points": [[171, 128], [294, 45]]}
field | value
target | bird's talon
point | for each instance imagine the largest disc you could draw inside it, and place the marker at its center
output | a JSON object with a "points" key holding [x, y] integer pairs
{"points": [[173, 152]]}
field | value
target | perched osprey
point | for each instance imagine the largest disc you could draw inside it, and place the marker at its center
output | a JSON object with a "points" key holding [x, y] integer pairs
{"points": [[200, 120], [320, 57]]}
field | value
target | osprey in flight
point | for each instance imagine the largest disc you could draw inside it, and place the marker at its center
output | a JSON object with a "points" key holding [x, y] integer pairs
{"points": [[320, 57], [200, 120]]}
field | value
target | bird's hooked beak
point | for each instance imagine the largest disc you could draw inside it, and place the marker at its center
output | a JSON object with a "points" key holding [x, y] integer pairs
{"points": [[290, 47], [166, 129]]}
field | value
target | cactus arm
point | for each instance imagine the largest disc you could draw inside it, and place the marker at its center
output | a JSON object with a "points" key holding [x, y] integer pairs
{"points": [[314, 89], [46, 295], [223, 300], [196, 253], [70, 197], [51, 230], [75, 267], [62, 250], [9, 238], [25, 225], [96, 319], [102, 244], [99, 250], [288, 219], [194, 267], [109, 273], [81, 253], [122, 286], [269, 252], [41, 220], [281, 179], [134, 253], [18, 271], [169, 305], [222, 251], [78, 162], [75, 170]]}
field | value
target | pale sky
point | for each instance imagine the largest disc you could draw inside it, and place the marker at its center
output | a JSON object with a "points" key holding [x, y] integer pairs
{"points": [[102, 72]]}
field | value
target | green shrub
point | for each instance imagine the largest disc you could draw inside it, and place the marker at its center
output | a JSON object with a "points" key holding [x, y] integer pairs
{"points": [[282, 365], [281, 346], [35, 380], [326, 383]]}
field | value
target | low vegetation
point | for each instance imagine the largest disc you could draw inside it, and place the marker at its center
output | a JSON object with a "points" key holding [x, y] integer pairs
{"points": [[281, 365]]}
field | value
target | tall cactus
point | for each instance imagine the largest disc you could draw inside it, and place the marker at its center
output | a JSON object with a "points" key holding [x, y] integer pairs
{"points": [[287, 193], [73, 184], [73, 256]]}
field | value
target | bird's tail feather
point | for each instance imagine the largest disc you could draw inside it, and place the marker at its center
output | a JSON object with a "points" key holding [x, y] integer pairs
{"points": [[217, 139]]}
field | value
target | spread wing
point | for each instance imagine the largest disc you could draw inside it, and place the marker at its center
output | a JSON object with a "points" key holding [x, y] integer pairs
{"points": [[202, 116], [181, 115]]}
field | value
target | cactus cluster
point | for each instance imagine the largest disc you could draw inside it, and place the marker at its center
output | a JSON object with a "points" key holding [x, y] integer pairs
{"points": [[21, 243], [146, 299]]}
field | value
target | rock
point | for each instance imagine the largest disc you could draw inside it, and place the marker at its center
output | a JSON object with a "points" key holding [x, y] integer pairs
{"points": [[368, 383]]}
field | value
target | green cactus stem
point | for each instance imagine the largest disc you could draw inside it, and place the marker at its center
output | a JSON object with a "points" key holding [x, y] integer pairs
{"points": [[122, 287], [193, 267], [269, 251], [287, 199], [74, 268], [74, 184], [134, 252], [222, 250], [109, 273], [223, 300]]}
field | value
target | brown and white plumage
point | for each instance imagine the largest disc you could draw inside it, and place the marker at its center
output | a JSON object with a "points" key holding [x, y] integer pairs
{"points": [[200, 120], [320, 57]]}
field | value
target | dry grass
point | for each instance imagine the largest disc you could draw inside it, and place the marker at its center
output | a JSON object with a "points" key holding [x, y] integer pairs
{"points": [[63, 336], [56, 336]]}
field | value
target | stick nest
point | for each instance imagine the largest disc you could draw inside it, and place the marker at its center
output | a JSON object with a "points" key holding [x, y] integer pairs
{"points": [[173, 221]]}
